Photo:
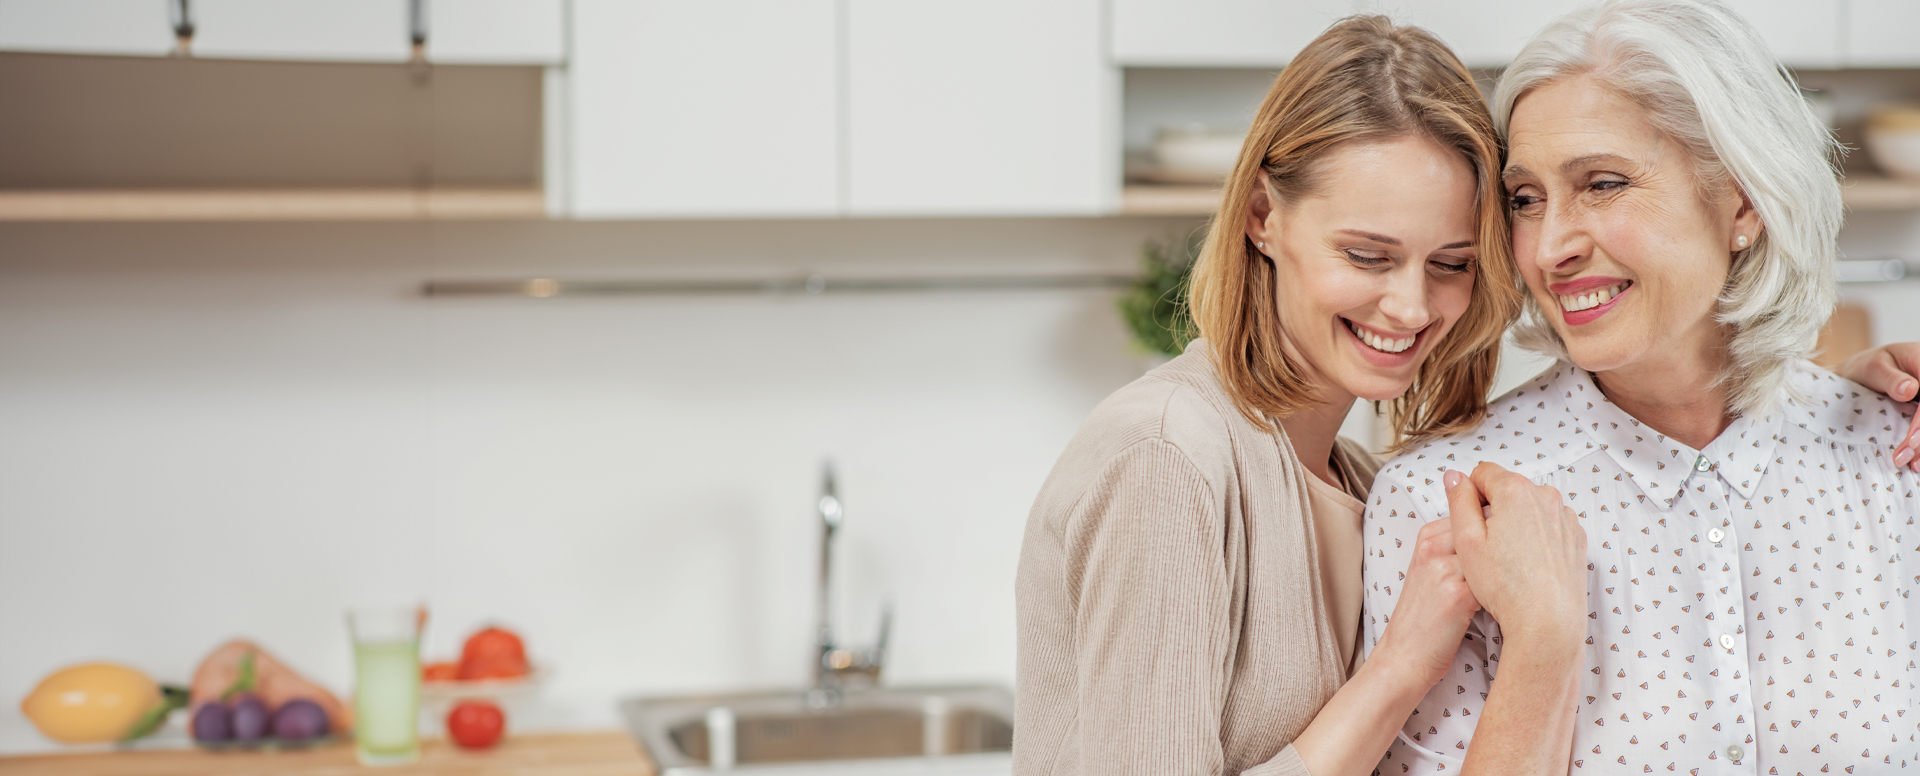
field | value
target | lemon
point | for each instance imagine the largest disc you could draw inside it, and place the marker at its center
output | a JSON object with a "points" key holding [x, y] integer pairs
{"points": [[91, 702]]}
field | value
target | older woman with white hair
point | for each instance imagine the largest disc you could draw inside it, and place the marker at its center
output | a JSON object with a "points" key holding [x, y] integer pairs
{"points": [[1674, 219]]}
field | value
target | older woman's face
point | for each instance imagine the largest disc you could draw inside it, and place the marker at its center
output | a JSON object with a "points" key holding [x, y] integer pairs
{"points": [[1612, 233], [1375, 267]]}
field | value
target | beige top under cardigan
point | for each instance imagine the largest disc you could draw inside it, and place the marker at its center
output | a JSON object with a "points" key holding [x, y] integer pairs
{"points": [[1172, 618]]}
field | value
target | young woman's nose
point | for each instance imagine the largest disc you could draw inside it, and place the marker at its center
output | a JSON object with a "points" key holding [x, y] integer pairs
{"points": [[1405, 302]]}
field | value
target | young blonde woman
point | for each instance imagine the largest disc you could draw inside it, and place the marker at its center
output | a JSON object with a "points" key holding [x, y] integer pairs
{"points": [[1189, 585], [1189, 588]]}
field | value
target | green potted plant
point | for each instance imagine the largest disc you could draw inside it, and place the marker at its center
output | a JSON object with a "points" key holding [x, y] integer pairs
{"points": [[1155, 306]]}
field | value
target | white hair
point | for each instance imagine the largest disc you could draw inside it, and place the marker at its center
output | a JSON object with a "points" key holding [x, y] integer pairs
{"points": [[1707, 80]]}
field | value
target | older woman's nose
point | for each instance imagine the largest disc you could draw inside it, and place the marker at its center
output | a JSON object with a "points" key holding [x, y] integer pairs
{"points": [[1559, 241]]}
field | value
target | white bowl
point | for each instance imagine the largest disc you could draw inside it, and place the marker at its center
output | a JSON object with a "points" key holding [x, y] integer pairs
{"points": [[1893, 139], [1196, 154]]}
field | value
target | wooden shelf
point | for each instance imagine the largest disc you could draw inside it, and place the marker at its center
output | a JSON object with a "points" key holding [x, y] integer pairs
{"points": [[1158, 199], [1872, 192], [1860, 192], [383, 204]]}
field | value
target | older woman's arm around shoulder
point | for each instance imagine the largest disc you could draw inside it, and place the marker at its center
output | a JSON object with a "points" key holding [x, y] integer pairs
{"points": [[1528, 556]]}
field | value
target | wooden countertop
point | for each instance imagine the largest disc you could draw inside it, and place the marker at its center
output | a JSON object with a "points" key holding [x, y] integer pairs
{"points": [[533, 754]]}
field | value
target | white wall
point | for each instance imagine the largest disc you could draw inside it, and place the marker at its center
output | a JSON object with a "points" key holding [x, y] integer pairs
{"points": [[219, 430]]}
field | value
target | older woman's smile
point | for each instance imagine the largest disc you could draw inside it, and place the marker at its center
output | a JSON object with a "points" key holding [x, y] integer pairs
{"points": [[1586, 299]]}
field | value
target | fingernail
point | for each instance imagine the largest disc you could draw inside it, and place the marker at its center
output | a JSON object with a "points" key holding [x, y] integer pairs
{"points": [[1453, 478], [1914, 439], [1905, 389], [1901, 458]]}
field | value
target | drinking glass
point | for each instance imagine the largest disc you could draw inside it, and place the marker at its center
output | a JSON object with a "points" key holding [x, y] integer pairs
{"points": [[386, 687]]}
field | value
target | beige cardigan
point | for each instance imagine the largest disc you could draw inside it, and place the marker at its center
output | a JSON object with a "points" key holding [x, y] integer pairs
{"points": [[1170, 613]]}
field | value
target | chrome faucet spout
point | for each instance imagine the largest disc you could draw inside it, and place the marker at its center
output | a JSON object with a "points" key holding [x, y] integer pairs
{"points": [[836, 667]]}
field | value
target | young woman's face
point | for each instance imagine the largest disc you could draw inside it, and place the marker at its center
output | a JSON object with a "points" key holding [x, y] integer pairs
{"points": [[1611, 232], [1375, 267]]}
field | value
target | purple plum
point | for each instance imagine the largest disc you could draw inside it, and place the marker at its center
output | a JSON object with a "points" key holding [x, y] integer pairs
{"points": [[250, 718], [212, 722], [299, 719]]}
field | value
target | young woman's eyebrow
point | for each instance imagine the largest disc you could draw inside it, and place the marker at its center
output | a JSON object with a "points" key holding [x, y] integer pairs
{"points": [[1395, 242]]}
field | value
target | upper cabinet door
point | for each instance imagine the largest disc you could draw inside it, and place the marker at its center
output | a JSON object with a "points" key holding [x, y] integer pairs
{"points": [[1218, 33], [1483, 33], [987, 107], [1801, 33], [497, 32], [318, 30], [1883, 33], [703, 108], [131, 27]]}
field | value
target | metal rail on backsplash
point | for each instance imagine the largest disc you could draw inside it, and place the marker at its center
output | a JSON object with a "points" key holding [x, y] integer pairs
{"points": [[810, 284], [1879, 270]]}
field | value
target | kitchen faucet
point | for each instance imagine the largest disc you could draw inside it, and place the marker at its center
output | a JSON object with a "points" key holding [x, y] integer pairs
{"points": [[836, 667]]}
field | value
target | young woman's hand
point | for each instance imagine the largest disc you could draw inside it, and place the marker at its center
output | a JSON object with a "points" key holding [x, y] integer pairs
{"points": [[1434, 609], [1525, 555], [1893, 370]]}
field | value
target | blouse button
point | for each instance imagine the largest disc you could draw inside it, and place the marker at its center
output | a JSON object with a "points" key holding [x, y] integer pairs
{"points": [[1715, 535], [1701, 464], [1726, 641], [1735, 753]]}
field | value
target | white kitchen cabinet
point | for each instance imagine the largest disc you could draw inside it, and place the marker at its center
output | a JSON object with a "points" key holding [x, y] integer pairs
{"points": [[496, 32], [989, 107], [126, 27], [315, 30], [1883, 33], [703, 108], [1801, 33], [1218, 33], [1483, 33]]}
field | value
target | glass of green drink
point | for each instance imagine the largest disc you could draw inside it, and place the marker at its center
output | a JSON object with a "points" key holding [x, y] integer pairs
{"points": [[386, 686]]}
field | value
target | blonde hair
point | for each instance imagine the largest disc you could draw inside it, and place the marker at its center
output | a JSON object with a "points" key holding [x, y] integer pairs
{"points": [[1363, 80], [1705, 78]]}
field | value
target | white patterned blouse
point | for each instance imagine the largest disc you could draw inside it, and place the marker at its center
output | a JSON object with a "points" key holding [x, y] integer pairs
{"points": [[1749, 602]]}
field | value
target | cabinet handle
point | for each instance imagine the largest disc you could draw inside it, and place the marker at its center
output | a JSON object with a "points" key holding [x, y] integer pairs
{"points": [[416, 28], [180, 15]]}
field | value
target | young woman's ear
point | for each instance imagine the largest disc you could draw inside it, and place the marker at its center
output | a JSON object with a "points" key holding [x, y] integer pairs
{"points": [[1259, 216]]}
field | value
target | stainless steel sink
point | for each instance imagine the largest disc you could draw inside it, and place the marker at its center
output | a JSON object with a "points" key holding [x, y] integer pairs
{"points": [[944, 730]]}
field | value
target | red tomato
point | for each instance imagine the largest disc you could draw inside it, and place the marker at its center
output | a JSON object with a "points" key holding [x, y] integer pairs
{"points": [[493, 653], [476, 724]]}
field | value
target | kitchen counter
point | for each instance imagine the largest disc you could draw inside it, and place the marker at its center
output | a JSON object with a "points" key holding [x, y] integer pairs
{"points": [[534, 754]]}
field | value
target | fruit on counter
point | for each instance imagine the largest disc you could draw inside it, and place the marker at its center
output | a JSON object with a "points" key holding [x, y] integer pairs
{"points": [[299, 719], [493, 653], [476, 724], [250, 718], [212, 721], [440, 671], [220, 679], [96, 702]]}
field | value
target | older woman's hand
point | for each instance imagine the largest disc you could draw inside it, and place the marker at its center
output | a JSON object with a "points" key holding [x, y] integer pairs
{"points": [[1524, 556], [1895, 371]]}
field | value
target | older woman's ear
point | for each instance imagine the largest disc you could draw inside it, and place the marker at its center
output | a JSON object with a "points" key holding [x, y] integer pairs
{"points": [[1747, 225], [1893, 370]]}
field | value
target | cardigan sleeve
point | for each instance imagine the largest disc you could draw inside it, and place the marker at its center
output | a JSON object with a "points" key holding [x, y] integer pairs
{"points": [[1152, 598]]}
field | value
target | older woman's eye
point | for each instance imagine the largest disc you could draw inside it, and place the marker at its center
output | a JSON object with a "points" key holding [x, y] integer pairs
{"points": [[1521, 201], [1608, 185]]}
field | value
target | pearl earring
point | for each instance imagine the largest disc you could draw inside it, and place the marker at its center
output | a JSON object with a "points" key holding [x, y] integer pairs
{"points": [[1740, 242], [1263, 246]]}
